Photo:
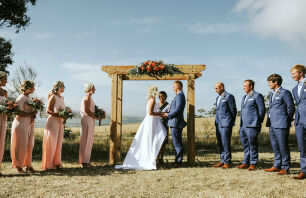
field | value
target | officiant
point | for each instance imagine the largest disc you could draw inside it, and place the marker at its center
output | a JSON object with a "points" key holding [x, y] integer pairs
{"points": [[163, 106]]}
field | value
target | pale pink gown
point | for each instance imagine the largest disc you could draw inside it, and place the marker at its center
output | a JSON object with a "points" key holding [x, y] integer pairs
{"points": [[87, 133], [22, 135], [53, 138], [3, 124]]}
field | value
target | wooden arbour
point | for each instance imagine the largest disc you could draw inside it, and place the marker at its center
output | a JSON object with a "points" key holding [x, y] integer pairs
{"points": [[120, 73]]}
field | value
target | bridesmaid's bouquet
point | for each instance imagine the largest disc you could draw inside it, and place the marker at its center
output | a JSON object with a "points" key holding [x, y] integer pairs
{"points": [[99, 113], [36, 104], [9, 107], [65, 113]]}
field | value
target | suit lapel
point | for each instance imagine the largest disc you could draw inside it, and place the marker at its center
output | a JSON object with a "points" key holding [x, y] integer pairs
{"points": [[301, 94], [295, 95]]}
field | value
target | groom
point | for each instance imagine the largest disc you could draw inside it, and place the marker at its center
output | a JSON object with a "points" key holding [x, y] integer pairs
{"points": [[176, 121]]}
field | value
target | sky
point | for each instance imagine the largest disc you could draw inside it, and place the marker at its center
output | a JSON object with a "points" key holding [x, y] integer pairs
{"points": [[239, 39]]}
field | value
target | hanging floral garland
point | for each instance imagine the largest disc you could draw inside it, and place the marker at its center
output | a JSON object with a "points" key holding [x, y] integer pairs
{"points": [[155, 69]]}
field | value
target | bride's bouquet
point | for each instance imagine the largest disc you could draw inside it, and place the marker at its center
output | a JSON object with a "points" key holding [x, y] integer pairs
{"points": [[99, 113], [65, 113], [36, 104], [9, 107]]}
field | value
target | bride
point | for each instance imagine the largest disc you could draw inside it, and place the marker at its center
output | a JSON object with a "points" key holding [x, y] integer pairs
{"points": [[148, 139]]}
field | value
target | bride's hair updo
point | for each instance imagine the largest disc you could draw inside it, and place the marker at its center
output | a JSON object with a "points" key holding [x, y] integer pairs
{"points": [[88, 87], [2, 74], [152, 92], [56, 87], [26, 85]]}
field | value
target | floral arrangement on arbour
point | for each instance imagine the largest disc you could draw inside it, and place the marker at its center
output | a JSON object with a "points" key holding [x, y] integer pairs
{"points": [[155, 69]]}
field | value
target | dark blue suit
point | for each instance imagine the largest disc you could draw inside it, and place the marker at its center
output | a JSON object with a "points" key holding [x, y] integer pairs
{"points": [[252, 115], [226, 112], [300, 123], [280, 116], [176, 123]]}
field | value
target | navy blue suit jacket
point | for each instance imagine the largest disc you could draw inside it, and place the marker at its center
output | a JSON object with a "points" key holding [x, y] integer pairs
{"points": [[253, 111], [300, 115], [226, 111], [281, 109], [176, 114]]}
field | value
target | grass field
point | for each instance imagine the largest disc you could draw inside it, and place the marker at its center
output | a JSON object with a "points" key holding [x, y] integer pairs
{"points": [[198, 180]]}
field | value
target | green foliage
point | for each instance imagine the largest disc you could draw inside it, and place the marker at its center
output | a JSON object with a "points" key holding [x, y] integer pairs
{"points": [[5, 54], [13, 13], [68, 135]]}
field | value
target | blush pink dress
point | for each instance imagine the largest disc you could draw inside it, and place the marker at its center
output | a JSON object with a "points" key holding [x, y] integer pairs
{"points": [[22, 135], [3, 124], [53, 138], [87, 133]]}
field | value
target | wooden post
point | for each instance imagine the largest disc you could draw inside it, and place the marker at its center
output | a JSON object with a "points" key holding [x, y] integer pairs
{"points": [[119, 119], [190, 119], [116, 119]]}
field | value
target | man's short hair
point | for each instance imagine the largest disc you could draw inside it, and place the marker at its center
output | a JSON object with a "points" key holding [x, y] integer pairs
{"points": [[275, 78], [299, 68], [251, 83], [163, 93], [179, 83]]}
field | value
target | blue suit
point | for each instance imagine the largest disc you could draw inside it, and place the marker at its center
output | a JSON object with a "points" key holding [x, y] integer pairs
{"points": [[280, 116], [176, 123], [300, 123], [226, 112], [252, 115]]}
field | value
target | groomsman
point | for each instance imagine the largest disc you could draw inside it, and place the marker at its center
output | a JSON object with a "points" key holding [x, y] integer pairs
{"points": [[226, 112], [280, 116], [299, 93], [252, 115]]}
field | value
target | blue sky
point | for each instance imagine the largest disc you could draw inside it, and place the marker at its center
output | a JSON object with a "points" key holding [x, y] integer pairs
{"points": [[240, 39]]}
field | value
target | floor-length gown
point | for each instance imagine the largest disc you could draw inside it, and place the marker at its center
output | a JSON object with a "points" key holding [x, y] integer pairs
{"points": [[3, 125], [53, 137], [22, 135], [87, 132], [146, 144]]}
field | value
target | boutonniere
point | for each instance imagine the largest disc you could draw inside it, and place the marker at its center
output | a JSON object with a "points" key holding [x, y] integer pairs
{"points": [[278, 92], [223, 96], [251, 94], [305, 83]]}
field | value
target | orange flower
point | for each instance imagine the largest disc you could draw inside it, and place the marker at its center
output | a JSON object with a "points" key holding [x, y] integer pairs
{"points": [[15, 105], [142, 68], [149, 69], [10, 103], [34, 100], [153, 64], [162, 67]]}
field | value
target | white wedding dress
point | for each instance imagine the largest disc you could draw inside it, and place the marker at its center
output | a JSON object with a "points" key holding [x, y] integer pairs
{"points": [[146, 144]]}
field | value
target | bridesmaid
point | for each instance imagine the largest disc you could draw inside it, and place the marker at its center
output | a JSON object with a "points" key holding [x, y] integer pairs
{"points": [[22, 133], [88, 125], [3, 118], [54, 132]]}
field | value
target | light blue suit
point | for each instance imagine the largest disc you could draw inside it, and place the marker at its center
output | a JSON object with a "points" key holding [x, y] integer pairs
{"points": [[300, 123], [176, 123], [280, 116], [252, 115], [226, 112]]}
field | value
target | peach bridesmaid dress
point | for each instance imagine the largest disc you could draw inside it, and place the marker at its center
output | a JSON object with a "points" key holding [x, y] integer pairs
{"points": [[22, 136], [3, 124], [87, 133], [53, 138]]}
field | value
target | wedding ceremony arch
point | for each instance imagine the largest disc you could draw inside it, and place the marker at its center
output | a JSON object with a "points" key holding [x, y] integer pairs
{"points": [[120, 73]]}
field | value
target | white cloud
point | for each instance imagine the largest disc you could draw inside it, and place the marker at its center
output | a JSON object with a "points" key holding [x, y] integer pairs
{"points": [[282, 19], [221, 28], [145, 20], [85, 72], [44, 36]]}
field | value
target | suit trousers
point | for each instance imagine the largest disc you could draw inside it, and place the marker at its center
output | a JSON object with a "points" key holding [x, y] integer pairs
{"points": [[224, 135], [249, 141], [177, 143], [279, 142], [300, 130]]}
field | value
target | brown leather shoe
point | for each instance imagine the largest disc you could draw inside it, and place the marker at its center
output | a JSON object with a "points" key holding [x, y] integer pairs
{"points": [[30, 169], [226, 166], [283, 172], [273, 169], [252, 167], [243, 166], [218, 165], [19, 170], [300, 176]]}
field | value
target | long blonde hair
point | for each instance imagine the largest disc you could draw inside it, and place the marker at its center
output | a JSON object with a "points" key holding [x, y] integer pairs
{"points": [[152, 92], [56, 87]]}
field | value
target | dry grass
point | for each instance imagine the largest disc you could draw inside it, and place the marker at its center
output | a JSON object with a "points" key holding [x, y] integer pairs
{"points": [[199, 180]]}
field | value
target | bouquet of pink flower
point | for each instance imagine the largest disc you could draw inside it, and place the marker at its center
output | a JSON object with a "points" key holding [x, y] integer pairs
{"points": [[99, 113], [65, 113], [37, 105], [9, 107]]}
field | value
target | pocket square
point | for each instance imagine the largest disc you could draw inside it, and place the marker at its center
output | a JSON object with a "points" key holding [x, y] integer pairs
{"points": [[277, 98], [251, 99], [304, 90], [223, 100]]}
